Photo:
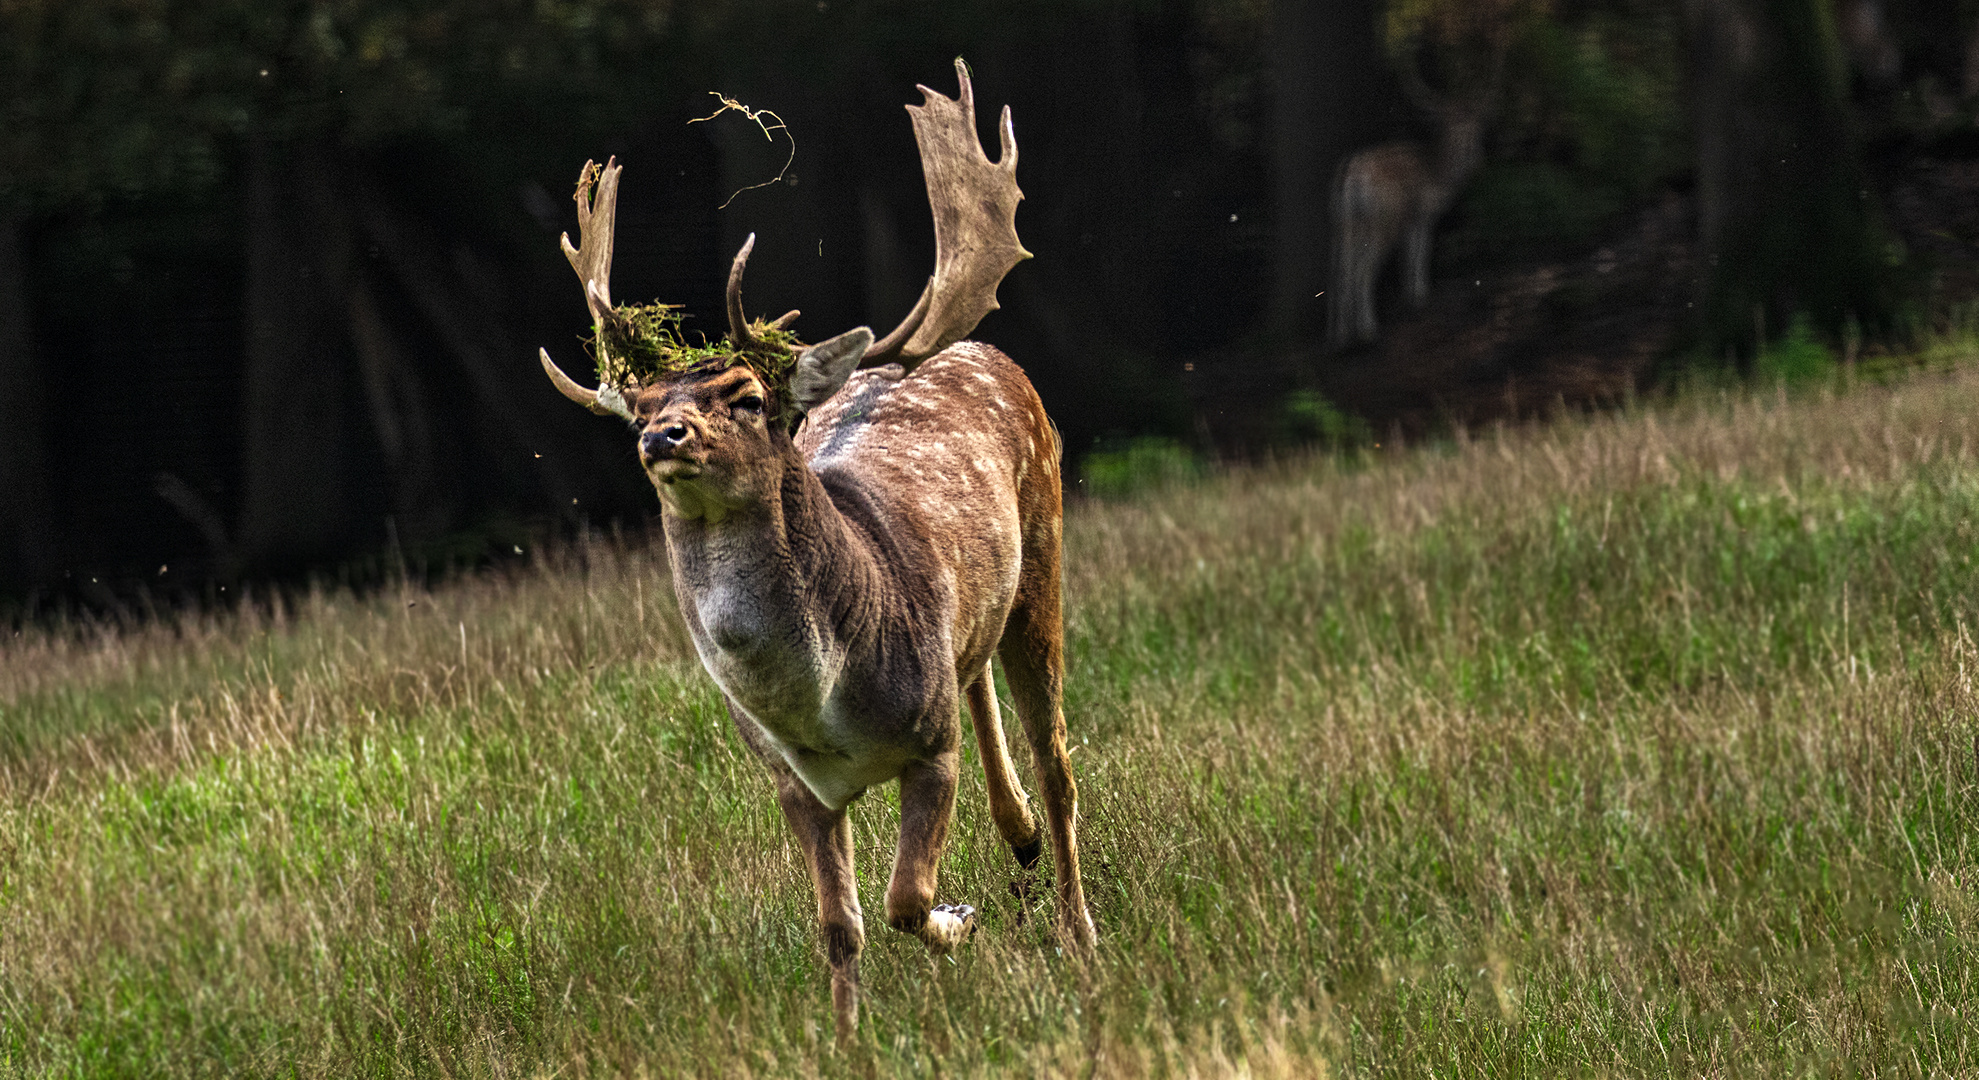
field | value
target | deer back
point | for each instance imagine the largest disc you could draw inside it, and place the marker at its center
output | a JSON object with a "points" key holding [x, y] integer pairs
{"points": [[959, 464]]}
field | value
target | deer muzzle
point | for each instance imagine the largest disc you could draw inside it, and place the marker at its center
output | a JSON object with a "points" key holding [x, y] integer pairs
{"points": [[670, 450]]}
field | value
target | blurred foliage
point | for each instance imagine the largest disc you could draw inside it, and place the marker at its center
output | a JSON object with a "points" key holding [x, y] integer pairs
{"points": [[126, 96], [1526, 207], [1593, 123], [1602, 96], [1802, 232], [1455, 24], [1797, 358], [1232, 87], [1310, 418], [1141, 464]]}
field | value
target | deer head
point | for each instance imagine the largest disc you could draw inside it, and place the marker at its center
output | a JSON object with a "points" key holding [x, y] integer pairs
{"points": [[705, 411], [1461, 113]]}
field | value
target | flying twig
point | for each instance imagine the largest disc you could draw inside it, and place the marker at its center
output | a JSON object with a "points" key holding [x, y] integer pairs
{"points": [[754, 116]]}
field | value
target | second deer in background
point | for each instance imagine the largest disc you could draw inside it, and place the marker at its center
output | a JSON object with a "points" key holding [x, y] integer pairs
{"points": [[1393, 194]]}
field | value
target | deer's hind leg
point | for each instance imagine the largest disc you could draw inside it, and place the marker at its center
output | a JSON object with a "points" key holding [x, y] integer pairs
{"points": [[1008, 807], [1033, 654]]}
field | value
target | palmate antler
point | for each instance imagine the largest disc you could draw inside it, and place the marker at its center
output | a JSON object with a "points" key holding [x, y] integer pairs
{"points": [[1463, 34], [597, 214], [975, 214]]}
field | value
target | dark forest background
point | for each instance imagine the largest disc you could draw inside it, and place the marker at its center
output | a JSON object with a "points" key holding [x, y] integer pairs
{"points": [[272, 274]]}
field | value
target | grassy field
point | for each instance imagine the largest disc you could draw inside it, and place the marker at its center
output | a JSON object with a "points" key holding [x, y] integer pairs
{"points": [[1641, 744]]}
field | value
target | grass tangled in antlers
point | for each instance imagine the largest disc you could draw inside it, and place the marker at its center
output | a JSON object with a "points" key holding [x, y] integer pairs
{"points": [[645, 343]]}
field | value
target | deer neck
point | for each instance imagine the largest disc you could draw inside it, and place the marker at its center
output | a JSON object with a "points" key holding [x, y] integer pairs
{"points": [[777, 595], [1459, 154]]}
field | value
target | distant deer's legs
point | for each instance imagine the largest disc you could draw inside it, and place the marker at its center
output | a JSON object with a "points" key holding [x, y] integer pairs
{"points": [[1006, 797], [1415, 262], [1033, 653], [1367, 267], [1360, 247], [927, 799], [1361, 263], [1340, 327]]}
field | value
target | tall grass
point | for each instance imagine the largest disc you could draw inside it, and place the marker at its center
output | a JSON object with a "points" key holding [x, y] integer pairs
{"points": [[1640, 743]]}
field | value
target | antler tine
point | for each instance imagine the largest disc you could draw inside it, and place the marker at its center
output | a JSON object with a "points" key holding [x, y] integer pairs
{"points": [[887, 349], [597, 219], [738, 323], [597, 213], [975, 215], [605, 400]]}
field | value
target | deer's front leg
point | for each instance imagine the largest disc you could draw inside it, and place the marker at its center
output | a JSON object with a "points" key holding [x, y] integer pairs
{"points": [[1415, 260], [826, 837], [927, 799]]}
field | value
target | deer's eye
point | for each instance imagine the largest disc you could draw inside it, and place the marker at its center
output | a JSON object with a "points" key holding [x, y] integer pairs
{"points": [[747, 403]]}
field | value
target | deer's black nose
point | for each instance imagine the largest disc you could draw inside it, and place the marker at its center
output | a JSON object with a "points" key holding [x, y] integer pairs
{"points": [[658, 444]]}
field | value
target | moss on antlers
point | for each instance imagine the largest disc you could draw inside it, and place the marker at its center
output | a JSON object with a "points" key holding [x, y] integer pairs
{"points": [[645, 343]]}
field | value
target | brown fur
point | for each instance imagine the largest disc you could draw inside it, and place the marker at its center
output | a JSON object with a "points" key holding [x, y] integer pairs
{"points": [[847, 587]]}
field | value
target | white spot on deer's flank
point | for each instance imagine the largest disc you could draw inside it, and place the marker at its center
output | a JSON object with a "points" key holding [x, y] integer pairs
{"points": [[985, 377]]}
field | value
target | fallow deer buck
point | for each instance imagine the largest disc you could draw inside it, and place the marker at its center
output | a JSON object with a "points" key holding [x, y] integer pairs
{"points": [[1393, 195], [846, 584]]}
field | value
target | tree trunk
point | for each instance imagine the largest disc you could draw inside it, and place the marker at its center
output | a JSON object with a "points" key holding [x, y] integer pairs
{"points": [[293, 504], [1784, 214], [459, 301], [1723, 50], [27, 532], [1329, 86], [421, 508]]}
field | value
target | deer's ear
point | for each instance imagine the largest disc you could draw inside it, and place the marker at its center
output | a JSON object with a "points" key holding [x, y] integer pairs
{"points": [[824, 367]]}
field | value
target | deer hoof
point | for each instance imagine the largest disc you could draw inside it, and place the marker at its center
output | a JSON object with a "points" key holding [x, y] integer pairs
{"points": [[949, 925], [1027, 854]]}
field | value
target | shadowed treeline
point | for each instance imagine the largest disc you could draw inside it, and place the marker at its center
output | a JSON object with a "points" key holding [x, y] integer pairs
{"points": [[272, 275]]}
